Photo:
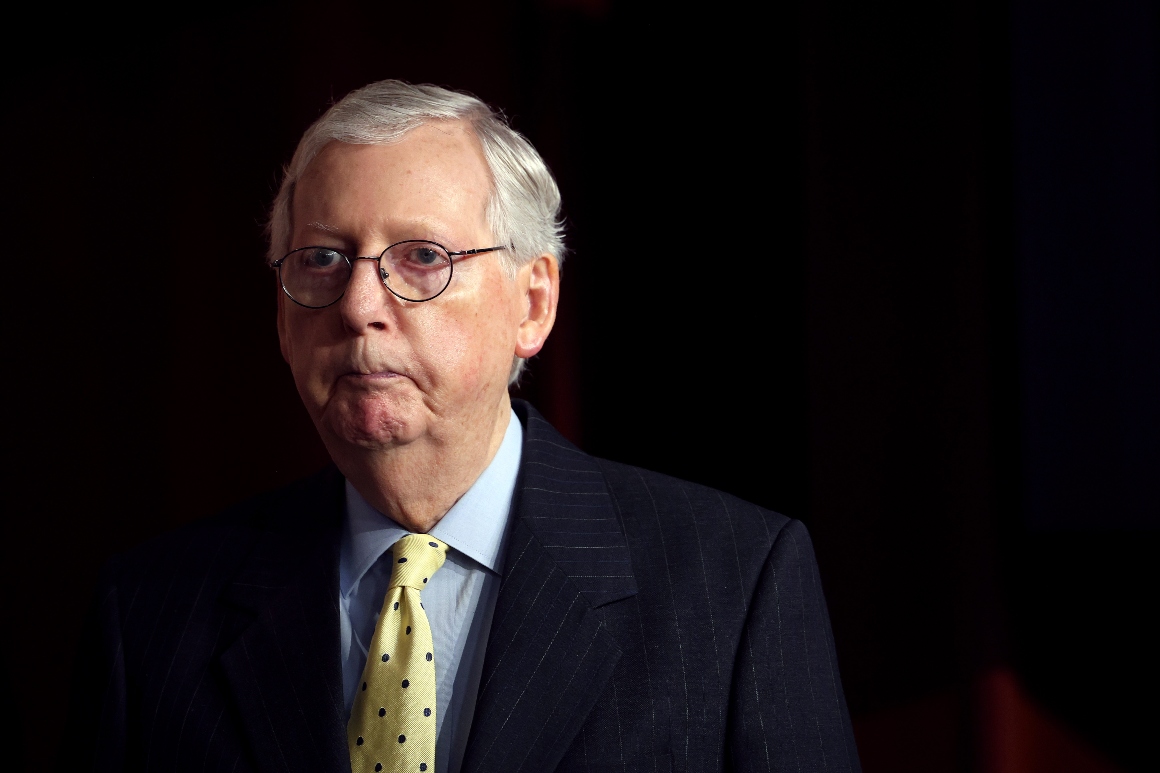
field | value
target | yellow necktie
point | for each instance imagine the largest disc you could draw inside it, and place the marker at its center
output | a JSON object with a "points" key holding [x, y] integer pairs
{"points": [[392, 724]]}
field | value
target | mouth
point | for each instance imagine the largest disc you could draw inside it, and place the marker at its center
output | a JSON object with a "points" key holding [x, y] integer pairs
{"points": [[372, 376]]}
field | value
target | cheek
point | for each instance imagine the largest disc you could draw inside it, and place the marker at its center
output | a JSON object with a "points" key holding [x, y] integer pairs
{"points": [[469, 352], [452, 352], [308, 355]]}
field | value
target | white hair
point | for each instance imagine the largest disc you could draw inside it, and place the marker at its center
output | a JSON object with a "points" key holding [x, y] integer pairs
{"points": [[523, 208]]}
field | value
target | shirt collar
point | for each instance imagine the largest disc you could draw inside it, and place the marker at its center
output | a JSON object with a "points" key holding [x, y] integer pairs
{"points": [[474, 526]]}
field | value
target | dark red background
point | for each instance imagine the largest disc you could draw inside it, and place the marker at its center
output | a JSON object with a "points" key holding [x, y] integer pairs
{"points": [[892, 272]]}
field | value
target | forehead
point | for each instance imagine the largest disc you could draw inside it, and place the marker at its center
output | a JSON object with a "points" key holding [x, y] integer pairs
{"points": [[436, 173]]}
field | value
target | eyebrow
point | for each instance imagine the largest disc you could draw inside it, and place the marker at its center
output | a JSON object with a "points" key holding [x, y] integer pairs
{"points": [[430, 231]]}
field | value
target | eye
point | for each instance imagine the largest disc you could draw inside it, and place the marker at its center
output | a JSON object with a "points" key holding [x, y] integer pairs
{"points": [[321, 259], [424, 255]]}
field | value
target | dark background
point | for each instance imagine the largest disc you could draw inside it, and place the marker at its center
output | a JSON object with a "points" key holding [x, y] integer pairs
{"points": [[890, 271]]}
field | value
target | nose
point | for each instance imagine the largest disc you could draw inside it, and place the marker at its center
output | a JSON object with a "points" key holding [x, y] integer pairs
{"points": [[366, 300]]}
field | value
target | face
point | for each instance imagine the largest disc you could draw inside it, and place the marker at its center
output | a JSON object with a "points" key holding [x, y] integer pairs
{"points": [[377, 372]]}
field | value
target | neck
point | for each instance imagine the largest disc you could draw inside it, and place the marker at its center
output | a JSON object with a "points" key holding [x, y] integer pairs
{"points": [[417, 483]]}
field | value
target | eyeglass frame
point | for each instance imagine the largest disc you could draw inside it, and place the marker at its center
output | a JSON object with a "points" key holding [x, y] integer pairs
{"points": [[451, 255]]}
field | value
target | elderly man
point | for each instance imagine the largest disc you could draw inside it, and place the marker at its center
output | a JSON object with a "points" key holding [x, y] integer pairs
{"points": [[464, 590]]}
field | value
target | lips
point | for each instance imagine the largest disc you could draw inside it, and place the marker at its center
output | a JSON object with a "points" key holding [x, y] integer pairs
{"points": [[366, 367], [381, 374]]}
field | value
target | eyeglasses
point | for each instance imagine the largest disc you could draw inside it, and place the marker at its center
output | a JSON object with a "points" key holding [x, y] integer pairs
{"points": [[414, 270]]}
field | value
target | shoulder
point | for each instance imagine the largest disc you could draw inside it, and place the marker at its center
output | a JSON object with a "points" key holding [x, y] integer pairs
{"points": [[642, 494], [686, 530], [214, 546], [666, 520]]}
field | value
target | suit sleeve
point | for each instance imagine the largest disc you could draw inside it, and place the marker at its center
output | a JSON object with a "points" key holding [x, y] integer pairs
{"points": [[95, 732], [787, 710]]}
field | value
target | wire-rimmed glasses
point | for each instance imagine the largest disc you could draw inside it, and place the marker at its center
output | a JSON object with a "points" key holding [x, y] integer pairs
{"points": [[414, 270]]}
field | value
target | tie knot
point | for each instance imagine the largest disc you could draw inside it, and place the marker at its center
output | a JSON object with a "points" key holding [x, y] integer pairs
{"points": [[415, 558]]}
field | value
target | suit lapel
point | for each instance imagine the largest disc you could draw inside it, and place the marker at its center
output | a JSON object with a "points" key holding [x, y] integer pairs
{"points": [[284, 669], [549, 654]]}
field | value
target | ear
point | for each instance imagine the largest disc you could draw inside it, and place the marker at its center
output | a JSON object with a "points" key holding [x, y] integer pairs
{"points": [[540, 282], [283, 335]]}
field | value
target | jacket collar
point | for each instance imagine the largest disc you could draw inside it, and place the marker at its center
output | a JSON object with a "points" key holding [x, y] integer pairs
{"points": [[549, 654]]}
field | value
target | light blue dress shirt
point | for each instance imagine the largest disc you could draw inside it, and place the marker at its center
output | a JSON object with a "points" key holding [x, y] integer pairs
{"points": [[459, 600]]}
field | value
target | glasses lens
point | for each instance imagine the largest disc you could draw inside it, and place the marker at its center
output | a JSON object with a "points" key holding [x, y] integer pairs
{"points": [[417, 271], [315, 276]]}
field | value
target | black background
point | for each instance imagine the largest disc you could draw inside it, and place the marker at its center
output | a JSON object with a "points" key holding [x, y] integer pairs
{"points": [[889, 271]]}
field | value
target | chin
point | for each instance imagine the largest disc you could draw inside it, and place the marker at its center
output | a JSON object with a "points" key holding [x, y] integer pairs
{"points": [[373, 422]]}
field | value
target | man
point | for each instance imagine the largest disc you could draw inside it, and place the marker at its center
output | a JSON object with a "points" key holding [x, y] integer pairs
{"points": [[465, 590]]}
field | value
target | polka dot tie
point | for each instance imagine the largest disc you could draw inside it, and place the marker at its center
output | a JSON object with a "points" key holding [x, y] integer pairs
{"points": [[392, 724]]}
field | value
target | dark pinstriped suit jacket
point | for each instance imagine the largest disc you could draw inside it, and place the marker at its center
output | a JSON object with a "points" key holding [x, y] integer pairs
{"points": [[643, 624]]}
